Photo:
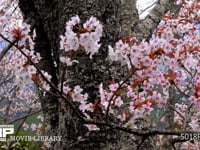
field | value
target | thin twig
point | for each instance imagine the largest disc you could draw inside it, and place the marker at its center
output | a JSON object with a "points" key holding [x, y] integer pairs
{"points": [[181, 92], [114, 94], [142, 141], [7, 48], [62, 79], [175, 110], [25, 116]]}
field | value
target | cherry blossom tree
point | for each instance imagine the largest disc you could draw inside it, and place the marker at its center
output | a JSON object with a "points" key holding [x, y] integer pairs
{"points": [[103, 73]]}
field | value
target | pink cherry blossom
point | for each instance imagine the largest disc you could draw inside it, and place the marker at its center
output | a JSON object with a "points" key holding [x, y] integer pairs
{"points": [[92, 127]]}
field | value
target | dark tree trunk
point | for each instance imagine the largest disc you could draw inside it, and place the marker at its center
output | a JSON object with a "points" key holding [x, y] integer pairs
{"points": [[48, 17]]}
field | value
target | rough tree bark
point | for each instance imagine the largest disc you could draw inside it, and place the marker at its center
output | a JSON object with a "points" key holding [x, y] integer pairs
{"points": [[119, 18]]}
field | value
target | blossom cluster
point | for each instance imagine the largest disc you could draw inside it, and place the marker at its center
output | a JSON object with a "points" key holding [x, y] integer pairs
{"points": [[24, 70], [81, 100], [112, 96], [19, 71], [169, 59], [79, 37]]}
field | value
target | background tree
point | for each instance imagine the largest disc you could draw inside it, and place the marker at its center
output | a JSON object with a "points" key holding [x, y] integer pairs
{"points": [[96, 74]]}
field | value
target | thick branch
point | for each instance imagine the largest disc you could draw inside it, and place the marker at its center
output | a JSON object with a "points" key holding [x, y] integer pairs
{"points": [[145, 28], [139, 132]]}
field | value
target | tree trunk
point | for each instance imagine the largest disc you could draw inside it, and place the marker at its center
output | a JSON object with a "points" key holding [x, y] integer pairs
{"points": [[48, 17]]}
